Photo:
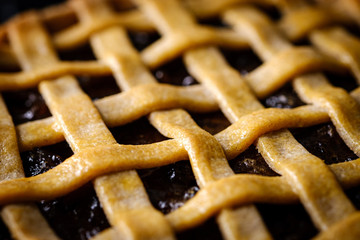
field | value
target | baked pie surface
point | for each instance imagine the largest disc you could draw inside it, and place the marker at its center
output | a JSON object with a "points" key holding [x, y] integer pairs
{"points": [[221, 120]]}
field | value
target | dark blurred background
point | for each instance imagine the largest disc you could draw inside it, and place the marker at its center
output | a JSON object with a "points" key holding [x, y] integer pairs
{"points": [[9, 8]]}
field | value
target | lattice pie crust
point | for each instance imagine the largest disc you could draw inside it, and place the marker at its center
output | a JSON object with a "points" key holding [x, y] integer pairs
{"points": [[111, 166]]}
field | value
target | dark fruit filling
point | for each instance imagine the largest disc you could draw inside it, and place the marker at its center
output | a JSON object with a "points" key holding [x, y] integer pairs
{"points": [[40, 160], [82, 53], [141, 40], [324, 142], [213, 22], [354, 195], [287, 222], [244, 60], [345, 81], [26, 105], [175, 73], [4, 232], [251, 161], [137, 132], [10, 7], [211, 122], [98, 87], [77, 215], [169, 187], [285, 97]]}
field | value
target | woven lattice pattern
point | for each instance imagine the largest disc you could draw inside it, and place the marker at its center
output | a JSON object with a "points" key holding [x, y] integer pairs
{"points": [[32, 40]]}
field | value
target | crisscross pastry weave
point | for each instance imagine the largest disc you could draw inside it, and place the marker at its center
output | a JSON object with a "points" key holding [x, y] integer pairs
{"points": [[28, 43]]}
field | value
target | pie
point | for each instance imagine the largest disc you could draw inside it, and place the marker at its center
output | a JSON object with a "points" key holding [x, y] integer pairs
{"points": [[181, 119]]}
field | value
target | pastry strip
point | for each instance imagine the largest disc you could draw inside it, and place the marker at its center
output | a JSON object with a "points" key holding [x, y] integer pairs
{"points": [[24, 221], [79, 34], [293, 26], [299, 60], [176, 38], [341, 46], [12, 168], [23, 80], [347, 9], [341, 229]]}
